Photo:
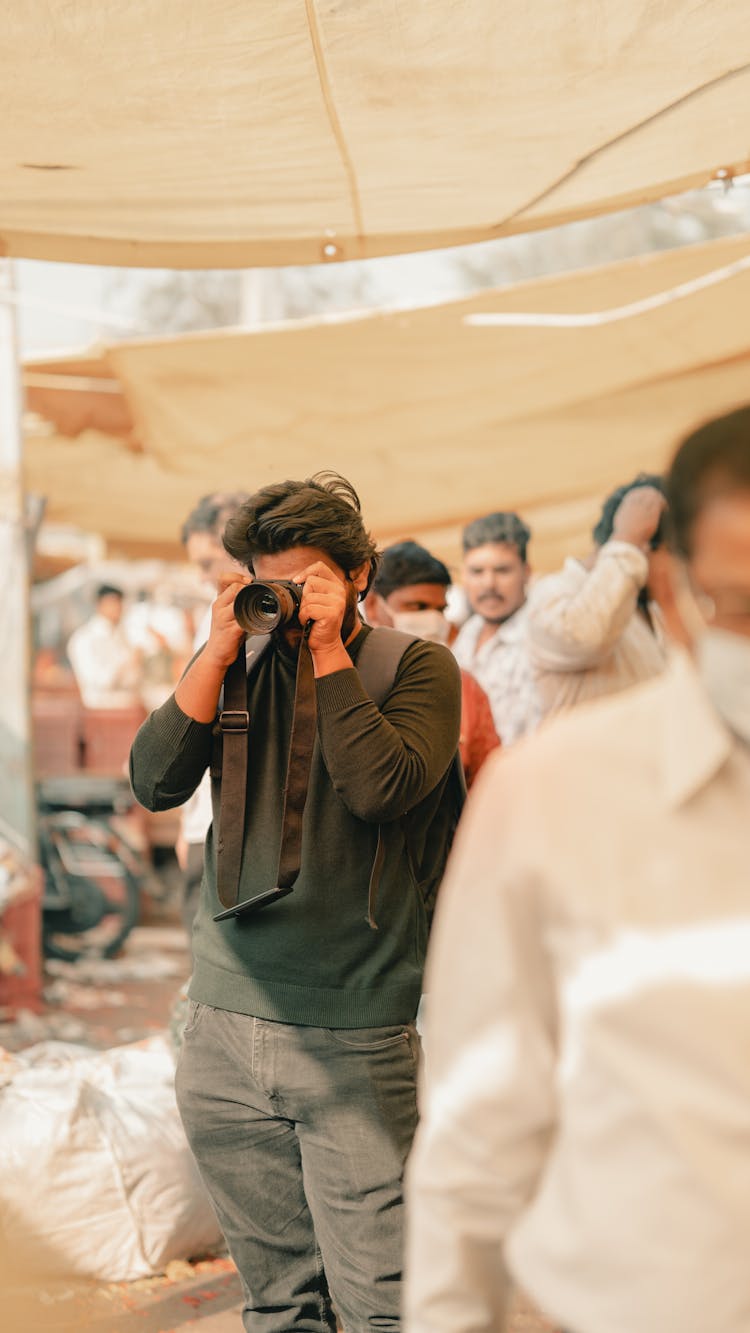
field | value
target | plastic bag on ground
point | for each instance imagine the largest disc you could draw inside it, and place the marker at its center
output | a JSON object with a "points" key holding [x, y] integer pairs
{"points": [[96, 1177]]}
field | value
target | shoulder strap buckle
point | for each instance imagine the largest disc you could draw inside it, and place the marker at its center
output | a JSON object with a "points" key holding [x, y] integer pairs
{"points": [[234, 719]]}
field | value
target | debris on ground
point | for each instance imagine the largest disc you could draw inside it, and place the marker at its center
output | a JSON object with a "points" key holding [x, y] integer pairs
{"points": [[101, 1004]]}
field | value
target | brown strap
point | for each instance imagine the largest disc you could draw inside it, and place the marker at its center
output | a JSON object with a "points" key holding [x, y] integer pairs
{"points": [[301, 742], [455, 790], [375, 874], [234, 785], [234, 723]]}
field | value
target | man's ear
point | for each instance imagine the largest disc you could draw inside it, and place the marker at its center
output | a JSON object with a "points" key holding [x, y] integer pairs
{"points": [[360, 575], [376, 610], [662, 580]]}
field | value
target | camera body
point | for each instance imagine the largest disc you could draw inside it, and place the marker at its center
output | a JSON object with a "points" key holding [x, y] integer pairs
{"points": [[260, 608]]}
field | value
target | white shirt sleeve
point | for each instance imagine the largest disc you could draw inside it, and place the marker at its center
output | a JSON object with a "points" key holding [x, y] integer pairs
{"points": [[488, 1097], [572, 625], [197, 812]]}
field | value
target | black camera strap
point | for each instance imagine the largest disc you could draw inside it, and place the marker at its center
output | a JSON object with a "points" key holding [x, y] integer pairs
{"points": [[234, 722]]}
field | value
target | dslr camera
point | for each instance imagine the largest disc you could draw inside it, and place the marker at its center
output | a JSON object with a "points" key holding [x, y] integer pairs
{"points": [[260, 608]]}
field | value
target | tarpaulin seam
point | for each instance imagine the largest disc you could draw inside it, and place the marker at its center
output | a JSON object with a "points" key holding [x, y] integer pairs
{"points": [[333, 116], [626, 133]]}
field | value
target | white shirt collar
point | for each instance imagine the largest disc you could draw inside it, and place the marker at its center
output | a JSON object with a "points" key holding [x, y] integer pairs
{"points": [[510, 631], [696, 742]]}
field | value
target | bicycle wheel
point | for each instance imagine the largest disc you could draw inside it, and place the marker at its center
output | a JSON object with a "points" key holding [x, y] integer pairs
{"points": [[93, 888]]}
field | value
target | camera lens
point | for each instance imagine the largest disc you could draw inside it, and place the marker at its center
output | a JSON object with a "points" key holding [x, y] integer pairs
{"points": [[261, 607]]}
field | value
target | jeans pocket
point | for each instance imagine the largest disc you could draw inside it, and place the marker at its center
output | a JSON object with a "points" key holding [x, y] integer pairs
{"points": [[196, 1012], [370, 1039]]}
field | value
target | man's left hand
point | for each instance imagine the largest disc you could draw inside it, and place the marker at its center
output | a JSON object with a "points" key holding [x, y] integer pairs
{"points": [[324, 602]]}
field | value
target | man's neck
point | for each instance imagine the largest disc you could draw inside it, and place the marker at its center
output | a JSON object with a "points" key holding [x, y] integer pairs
{"points": [[489, 629]]}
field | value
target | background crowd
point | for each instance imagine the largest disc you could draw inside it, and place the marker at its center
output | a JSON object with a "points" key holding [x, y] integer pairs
{"points": [[585, 1099]]}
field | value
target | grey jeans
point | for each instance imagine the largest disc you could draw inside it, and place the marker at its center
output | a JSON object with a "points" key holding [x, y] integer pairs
{"points": [[301, 1135]]}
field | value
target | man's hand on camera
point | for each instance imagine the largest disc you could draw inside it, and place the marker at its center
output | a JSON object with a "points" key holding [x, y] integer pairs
{"points": [[225, 635], [197, 694], [324, 602]]}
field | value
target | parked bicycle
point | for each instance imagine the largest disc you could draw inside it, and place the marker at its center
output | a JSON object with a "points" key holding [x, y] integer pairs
{"points": [[92, 873]]}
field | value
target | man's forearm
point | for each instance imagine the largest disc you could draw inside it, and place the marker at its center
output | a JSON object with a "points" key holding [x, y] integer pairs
{"points": [[329, 660], [569, 630], [456, 1279], [383, 763], [169, 756], [198, 692]]}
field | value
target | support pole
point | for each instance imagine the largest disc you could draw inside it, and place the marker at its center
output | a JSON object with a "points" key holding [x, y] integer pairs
{"points": [[17, 807]]}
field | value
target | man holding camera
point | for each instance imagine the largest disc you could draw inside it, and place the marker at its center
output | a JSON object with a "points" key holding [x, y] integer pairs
{"points": [[297, 1077]]}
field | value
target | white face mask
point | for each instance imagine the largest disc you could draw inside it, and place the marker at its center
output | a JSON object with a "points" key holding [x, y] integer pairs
{"points": [[723, 660], [428, 624]]}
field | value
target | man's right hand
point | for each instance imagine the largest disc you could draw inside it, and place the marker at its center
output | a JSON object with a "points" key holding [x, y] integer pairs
{"points": [[225, 635], [637, 516], [198, 691]]}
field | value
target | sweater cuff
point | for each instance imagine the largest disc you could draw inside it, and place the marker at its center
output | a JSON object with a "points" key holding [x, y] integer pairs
{"points": [[172, 725], [630, 558], [339, 691]]}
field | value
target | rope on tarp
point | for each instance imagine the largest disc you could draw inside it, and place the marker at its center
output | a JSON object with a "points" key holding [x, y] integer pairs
{"points": [[594, 318]]}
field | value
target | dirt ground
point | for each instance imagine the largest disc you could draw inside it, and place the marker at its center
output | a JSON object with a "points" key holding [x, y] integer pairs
{"points": [[106, 1004]]}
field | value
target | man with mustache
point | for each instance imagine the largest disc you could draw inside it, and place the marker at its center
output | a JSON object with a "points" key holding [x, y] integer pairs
{"points": [[491, 645]]}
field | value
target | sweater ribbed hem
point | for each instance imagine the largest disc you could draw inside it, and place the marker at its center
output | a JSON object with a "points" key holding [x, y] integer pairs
{"points": [[172, 725], [306, 1006]]}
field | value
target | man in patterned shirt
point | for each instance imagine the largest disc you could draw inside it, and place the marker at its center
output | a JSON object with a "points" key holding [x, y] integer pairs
{"points": [[491, 645]]}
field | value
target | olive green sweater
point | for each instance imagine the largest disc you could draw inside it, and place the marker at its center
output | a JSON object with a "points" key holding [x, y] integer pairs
{"points": [[312, 958]]}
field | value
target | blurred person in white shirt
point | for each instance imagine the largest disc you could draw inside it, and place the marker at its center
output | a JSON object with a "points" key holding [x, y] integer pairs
{"points": [[593, 628], [586, 1109], [160, 630], [107, 667], [201, 535], [491, 643]]}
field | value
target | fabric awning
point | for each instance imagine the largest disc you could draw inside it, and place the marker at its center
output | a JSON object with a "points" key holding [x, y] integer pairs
{"points": [[183, 134], [434, 420]]}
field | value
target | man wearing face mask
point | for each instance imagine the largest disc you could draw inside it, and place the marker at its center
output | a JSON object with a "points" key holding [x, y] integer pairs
{"points": [[410, 593], [586, 1117]]}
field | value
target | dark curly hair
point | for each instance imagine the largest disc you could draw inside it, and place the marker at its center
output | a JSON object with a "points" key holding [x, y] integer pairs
{"points": [[605, 526], [323, 511], [714, 460], [405, 563]]}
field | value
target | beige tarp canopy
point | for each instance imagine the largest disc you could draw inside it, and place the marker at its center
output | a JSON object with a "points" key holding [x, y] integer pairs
{"points": [[224, 134], [434, 420]]}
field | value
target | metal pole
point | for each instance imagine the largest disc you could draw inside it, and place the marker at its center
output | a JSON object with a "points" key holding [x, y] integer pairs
{"points": [[17, 807]]}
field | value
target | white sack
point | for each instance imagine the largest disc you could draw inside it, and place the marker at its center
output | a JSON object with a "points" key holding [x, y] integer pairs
{"points": [[96, 1177]]}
